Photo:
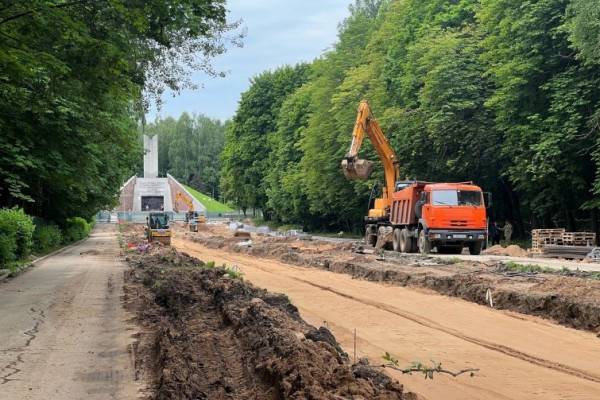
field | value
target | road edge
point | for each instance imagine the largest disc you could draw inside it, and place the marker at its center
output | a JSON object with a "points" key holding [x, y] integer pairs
{"points": [[26, 267]]}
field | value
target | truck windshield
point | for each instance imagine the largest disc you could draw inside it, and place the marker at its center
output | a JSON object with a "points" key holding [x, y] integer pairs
{"points": [[456, 198]]}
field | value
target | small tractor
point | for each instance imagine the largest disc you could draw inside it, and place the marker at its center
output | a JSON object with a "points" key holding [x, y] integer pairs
{"points": [[192, 218], [158, 228]]}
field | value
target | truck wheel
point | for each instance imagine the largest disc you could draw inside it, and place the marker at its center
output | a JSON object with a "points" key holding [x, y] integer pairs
{"points": [[405, 241], [397, 242], [424, 243], [475, 248]]}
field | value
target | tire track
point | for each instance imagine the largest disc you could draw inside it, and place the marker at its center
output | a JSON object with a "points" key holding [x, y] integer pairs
{"points": [[509, 351], [541, 362]]}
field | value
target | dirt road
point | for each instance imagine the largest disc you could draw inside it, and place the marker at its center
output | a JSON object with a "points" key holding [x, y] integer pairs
{"points": [[520, 357], [63, 330]]}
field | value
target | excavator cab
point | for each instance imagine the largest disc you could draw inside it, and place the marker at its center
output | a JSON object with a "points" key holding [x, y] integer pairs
{"points": [[355, 168]]}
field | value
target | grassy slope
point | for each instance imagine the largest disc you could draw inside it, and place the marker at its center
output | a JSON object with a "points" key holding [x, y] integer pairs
{"points": [[211, 204]]}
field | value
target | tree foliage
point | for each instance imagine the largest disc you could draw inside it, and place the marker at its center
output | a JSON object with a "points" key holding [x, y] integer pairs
{"points": [[72, 78], [189, 148], [501, 92]]}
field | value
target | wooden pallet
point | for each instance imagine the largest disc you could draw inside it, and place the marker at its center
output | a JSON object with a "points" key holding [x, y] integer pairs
{"points": [[544, 237], [579, 238]]}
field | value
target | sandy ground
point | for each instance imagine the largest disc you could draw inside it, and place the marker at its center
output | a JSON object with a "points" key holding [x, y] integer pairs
{"points": [[520, 357], [63, 330]]}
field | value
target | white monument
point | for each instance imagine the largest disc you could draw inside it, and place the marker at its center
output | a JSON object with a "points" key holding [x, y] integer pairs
{"points": [[152, 193], [151, 156]]}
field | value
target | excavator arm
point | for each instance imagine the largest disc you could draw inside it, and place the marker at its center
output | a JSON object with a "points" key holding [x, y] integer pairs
{"points": [[356, 168], [179, 197]]}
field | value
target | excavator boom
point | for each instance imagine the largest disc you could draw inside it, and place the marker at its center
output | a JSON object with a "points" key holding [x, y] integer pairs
{"points": [[180, 197], [356, 168]]}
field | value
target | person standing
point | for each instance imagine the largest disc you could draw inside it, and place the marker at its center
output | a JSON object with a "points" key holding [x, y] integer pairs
{"points": [[508, 231], [495, 233]]}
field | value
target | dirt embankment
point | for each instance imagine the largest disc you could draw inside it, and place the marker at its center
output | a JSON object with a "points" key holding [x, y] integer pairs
{"points": [[209, 335], [573, 301]]}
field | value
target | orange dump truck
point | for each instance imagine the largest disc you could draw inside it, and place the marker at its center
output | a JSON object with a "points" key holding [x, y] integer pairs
{"points": [[413, 215], [425, 215]]}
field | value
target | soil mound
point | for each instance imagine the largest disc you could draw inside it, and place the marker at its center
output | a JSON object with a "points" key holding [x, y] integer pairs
{"points": [[512, 251], [212, 336]]}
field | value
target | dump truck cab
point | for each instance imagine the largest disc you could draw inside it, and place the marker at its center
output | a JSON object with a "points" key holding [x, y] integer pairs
{"points": [[452, 216]]}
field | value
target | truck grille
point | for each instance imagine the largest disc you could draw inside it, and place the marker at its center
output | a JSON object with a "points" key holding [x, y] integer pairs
{"points": [[458, 223]]}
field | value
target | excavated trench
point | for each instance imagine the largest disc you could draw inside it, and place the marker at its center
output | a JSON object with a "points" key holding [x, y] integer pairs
{"points": [[569, 300], [206, 334]]}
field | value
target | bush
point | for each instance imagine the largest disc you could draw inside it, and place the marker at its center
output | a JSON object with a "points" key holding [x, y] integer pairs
{"points": [[76, 229], [16, 232], [46, 237]]}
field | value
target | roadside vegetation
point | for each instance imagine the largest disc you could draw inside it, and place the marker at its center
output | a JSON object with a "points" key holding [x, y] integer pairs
{"points": [[76, 79], [502, 92], [22, 235]]}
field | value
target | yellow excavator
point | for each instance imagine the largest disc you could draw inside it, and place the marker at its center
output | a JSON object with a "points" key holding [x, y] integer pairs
{"points": [[355, 168], [192, 217], [415, 215]]}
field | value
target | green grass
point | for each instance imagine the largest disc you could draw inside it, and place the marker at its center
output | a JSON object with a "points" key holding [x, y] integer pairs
{"points": [[212, 205], [516, 267]]}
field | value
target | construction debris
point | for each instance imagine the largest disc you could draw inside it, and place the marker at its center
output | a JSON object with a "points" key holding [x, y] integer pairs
{"points": [[594, 255], [242, 234]]}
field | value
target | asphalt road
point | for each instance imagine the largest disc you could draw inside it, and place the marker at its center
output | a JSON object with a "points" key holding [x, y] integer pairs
{"points": [[63, 329]]}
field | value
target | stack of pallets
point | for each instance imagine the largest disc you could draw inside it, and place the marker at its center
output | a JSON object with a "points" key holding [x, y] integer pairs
{"points": [[543, 237], [579, 238]]}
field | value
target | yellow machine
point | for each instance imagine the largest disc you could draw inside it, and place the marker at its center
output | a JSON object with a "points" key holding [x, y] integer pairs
{"points": [[192, 217], [158, 228], [355, 168]]}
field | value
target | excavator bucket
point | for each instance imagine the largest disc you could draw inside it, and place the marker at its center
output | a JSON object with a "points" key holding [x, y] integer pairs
{"points": [[357, 169]]}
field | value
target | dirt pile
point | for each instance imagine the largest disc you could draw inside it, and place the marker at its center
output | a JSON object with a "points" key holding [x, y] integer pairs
{"points": [[209, 335], [512, 251]]}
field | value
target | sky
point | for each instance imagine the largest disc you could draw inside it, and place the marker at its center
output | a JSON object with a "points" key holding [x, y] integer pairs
{"points": [[279, 32]]}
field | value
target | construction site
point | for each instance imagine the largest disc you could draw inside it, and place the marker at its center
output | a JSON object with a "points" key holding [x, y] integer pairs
{"points": [[412, 215], [463, 314], [421, 307]]}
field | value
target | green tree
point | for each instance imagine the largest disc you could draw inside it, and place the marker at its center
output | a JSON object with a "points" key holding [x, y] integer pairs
{"points": [[72, 78], [501, 92], [246, 154]]}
